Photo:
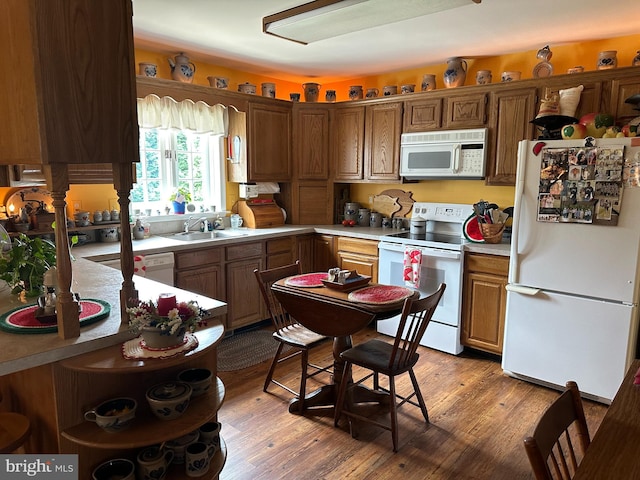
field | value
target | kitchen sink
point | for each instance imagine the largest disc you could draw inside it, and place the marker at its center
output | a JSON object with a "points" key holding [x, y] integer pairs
{"points": [[191, 236]]}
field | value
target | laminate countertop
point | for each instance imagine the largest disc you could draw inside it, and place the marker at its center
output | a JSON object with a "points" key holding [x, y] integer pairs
{"points": [[163, 243], [91, 281]]}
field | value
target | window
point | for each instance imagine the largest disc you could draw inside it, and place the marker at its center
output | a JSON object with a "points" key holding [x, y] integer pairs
{"points": [[170, 159], [181, 146]]}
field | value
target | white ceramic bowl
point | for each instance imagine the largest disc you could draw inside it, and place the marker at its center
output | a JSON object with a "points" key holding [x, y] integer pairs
{"points": [[198, 378], [113, 415], [169, 400]]}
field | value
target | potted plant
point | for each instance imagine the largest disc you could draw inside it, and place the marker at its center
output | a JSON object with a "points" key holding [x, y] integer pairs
{"points": [[24, 265], [179, 198]]}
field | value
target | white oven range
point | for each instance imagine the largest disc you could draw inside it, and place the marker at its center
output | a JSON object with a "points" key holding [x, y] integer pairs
{"points": [[442, 262]]}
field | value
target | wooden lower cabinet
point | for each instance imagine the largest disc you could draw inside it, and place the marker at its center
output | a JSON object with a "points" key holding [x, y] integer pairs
{"points": [[304, 248], [484, 302], [358, 254], [281, 251], [200, 271], [323, 256], [244, 302]]}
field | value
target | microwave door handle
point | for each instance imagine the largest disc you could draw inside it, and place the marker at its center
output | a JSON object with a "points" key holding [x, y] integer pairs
{"points": [[456, 158]]}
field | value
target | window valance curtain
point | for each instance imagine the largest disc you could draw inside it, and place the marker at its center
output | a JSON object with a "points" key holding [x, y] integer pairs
{"points": [[167, 113]]}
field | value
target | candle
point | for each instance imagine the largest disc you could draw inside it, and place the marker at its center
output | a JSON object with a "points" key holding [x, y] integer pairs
{"points": [[166, 302]]}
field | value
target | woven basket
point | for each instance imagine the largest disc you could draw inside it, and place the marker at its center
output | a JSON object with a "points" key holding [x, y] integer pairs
{"points": [[492, 232]]}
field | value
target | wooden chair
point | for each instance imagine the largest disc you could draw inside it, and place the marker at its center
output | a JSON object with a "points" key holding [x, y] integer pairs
{"points": [[551, 446], [288, 332], [392, 360], [14, 430]]}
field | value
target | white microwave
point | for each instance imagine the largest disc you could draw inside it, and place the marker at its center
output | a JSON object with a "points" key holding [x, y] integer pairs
{"points": [[445, 154]]}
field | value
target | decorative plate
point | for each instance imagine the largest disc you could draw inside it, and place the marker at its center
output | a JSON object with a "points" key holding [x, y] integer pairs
{"points": [[471, 229], [542, 69], [307, 280], [381, 294], [36, 200]]}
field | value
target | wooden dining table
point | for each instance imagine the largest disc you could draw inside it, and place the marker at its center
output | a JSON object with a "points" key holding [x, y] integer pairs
{"points": [[332, 313], [614, 452]]}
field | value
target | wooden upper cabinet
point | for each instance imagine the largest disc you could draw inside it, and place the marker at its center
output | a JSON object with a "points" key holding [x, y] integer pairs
{"points": [[422, 115], [269, 142], [348, 143], [512, 109], [465, 111], [69, 94], [383, 124], [590, 97], [621, 89], [311, 142]]}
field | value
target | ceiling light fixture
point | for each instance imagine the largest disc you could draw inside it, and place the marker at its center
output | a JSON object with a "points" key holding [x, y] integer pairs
{"points": [[322, 19]]}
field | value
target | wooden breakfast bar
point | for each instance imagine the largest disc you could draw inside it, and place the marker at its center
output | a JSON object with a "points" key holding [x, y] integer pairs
{"points": [[53, 381], [615, 448]]}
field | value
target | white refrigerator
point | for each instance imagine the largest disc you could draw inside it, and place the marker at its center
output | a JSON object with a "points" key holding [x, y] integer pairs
{"points": [[572, 295]]}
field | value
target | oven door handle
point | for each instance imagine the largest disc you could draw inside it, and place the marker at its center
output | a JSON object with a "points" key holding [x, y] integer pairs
{"points": [[426, 251]]}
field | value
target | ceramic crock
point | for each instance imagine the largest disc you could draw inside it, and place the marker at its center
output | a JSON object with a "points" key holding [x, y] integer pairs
{"points": [[268, 89], [428, 82], [607, 59], [247, 87], [355, 92], [148, 69], [483, 77]]}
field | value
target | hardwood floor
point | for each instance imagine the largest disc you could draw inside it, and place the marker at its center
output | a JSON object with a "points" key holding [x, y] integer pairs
{"points": [[478, 415]]}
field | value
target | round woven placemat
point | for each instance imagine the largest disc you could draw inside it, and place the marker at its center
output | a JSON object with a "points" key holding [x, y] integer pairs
{"points": [[23, 320], [246, 349]]}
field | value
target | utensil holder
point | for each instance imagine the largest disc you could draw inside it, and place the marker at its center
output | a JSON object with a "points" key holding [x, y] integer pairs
{"points": [[492, 232]]}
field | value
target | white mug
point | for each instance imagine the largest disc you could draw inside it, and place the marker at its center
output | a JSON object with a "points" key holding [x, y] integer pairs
{"points": [[198, 459], [210, 433]]}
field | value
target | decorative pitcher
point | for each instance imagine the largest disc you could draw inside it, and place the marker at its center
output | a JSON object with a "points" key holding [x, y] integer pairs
{"points": [[182, 69], [456, 72]]}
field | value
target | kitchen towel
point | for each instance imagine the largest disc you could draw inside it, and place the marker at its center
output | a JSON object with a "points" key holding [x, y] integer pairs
{"points": [[412, 263], [139, 267]]}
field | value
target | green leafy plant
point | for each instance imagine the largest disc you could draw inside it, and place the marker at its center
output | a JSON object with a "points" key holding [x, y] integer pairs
{"points": [[180, 195], [23, 267]]}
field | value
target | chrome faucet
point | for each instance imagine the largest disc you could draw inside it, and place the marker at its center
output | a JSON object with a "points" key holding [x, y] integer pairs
{"points": [[189, 223]]}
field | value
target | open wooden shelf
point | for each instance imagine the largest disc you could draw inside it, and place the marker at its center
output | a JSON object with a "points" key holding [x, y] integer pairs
{"points": [[146, 429], [109, 360]]}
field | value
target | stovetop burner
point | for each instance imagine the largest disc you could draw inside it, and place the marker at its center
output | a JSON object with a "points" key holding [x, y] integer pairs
{"points": [[444, 226], [428, 237]]}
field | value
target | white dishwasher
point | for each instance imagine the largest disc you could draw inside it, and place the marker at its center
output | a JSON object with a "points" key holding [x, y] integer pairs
{"points": [[158, 266]]}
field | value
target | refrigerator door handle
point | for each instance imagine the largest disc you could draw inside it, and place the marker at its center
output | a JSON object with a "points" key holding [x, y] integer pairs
{"points": [[519, 191], [523, 290]]}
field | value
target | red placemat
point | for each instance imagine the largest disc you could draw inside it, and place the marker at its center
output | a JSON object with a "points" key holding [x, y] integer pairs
{"points": [[23, 319], [380, 294], [308, 280]]}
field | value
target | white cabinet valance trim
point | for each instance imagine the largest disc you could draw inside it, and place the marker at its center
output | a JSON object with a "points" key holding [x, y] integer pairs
{"points": [[167, 113]]}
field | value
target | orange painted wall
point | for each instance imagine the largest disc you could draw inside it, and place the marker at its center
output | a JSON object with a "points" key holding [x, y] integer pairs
{"points": [[468, 191]]}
